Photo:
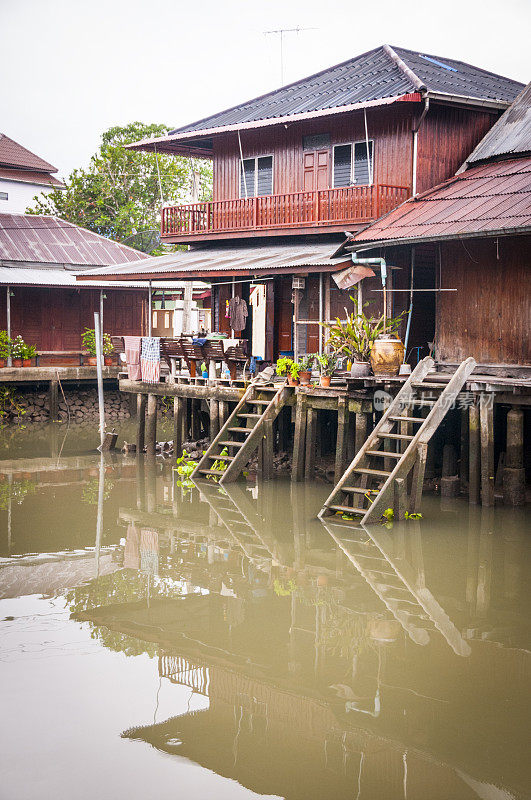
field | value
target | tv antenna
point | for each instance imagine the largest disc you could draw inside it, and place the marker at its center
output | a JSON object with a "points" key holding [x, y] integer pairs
{"points": [[280, 32]]}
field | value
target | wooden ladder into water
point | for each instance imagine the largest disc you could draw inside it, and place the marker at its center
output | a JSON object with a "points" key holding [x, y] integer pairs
{"points": [[377, 477], [243, 431]]}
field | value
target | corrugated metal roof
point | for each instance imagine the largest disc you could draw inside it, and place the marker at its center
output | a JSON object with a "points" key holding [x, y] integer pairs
{"points": [[511, 134], [385, 72], [12, 154], [23, 276], [50, 240], [30, 176], [216, 261], [487, 198]]}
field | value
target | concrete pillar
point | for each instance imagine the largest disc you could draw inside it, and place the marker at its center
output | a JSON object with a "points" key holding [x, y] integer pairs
{"points": [[151, 426]]}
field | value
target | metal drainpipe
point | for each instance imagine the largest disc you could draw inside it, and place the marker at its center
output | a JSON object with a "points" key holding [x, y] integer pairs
{"points": [[415, 146], [381, 262], [408, 326]]}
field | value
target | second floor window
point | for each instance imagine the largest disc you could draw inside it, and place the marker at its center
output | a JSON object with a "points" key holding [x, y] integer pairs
{"points": [[256, 176], [351, 165]]}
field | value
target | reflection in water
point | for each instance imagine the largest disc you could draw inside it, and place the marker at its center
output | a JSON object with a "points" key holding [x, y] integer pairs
{"points": [[302, 659]]}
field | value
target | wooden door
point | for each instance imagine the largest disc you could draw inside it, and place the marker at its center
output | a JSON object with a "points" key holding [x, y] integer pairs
{"points": [[316, 170]]}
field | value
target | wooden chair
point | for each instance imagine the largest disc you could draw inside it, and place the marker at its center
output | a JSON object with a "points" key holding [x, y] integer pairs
{"points": [[118, 345], [192, 354], [235, 355], [170, 350]]}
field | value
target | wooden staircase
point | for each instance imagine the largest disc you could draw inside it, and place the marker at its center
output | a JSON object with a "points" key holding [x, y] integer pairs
{"points": [[381, 560], [377, 477], [243, 431]]}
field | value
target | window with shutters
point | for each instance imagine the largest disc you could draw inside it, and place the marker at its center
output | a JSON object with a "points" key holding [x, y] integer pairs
{"points": [[256, 176], [351, 165]]}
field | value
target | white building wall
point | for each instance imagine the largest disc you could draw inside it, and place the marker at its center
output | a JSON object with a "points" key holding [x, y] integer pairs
{"points": [[19, 195]]}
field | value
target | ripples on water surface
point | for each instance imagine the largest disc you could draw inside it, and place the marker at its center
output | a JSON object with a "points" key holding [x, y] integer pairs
{"points": [[226, 644]]}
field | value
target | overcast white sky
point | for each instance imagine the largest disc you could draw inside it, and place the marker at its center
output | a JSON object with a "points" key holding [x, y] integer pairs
{"points": [[72, 68]]}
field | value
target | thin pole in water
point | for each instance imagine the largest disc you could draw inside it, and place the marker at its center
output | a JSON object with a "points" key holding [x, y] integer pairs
{"points": [[99, 370], [8, 318]]}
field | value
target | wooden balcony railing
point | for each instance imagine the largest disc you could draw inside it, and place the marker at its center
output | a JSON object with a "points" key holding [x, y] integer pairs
{"points": [[356, 204]]}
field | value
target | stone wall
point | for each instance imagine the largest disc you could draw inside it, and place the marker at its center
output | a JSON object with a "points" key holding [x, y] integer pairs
{"points": [[82, 404]]}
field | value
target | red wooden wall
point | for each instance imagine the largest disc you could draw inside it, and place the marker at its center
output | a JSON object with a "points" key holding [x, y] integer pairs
{"points": [[447, 135], [54, 318]]}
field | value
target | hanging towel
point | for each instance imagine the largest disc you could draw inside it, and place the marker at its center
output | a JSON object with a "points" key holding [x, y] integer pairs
{"points": [[150, 359], [132, 356]]}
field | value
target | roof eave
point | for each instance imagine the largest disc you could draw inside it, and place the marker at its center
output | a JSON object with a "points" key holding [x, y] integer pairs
{"points": [[356, 247], [463, 100]]}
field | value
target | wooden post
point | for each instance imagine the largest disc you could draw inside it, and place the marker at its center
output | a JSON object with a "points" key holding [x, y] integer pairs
{"points": [[223, 412], [463, 450], [141, 418], [196, 420], [473, 454], [178, 404], [54, 400], [418, 478], [486, 420], [268, 450], [299, 441], [449, 479], [151, 426], [342, 429], [311, 432], [361, 430], [400, 499], [514, 472], [214, 419]]}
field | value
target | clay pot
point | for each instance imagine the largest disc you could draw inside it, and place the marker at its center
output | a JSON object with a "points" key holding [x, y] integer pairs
{"points": [[26, 362], [360, 369], [305, 377], [2, 363], [292, 381], [325, 381], [108, 361], [16, 362], [387, 353], [91, 361]]}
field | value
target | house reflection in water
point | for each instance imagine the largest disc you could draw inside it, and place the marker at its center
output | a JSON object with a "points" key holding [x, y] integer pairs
{"points": [[332, 662]]}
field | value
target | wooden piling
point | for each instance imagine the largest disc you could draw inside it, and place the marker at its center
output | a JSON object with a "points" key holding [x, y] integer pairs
{"points": [[400, 499], [418, 478], [342, 430], [178, 412], [473, 454], [299, 441], [486, 421], [141, 423], [151, 426], [514, 472], [268, 450], [196, 420], [53, 400], [311, 434], [463, 450], [214, 419], [361, 430], [223, 412]]}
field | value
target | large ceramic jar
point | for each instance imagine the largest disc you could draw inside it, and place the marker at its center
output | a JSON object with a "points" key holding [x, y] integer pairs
{"points": [[387, 353]]}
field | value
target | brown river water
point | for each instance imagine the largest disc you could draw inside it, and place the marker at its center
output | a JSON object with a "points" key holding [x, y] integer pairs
{"points": [[161, 641]]}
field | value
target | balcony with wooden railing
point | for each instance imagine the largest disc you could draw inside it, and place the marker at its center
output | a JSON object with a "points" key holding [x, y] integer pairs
{"points": [[329, 209]]}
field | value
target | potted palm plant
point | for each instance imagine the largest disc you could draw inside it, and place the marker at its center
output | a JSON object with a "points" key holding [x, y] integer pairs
{"points": [[306, 364], [5, 348], [327, 365]]}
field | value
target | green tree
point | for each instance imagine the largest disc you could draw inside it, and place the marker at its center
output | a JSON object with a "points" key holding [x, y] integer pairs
{"points": [[118, 195]]}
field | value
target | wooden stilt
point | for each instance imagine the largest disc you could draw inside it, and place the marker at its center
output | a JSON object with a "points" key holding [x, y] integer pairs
{"points": [[486, 420], [463, 450], [418, 478], [311, 433], [473, 454], [268, 451], [53, 400], [214, 419], [141, 420], [361, 430], [151, 481], [178, 403], [351, 437], [342, 429], [400, 499], [514, 472], [196, 420], [223, 412], [299, 442], [151, 426]]}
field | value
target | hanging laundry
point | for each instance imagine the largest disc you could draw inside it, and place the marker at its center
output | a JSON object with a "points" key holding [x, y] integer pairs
{"points": [[132, 356], [237, 313], [150, 359]]}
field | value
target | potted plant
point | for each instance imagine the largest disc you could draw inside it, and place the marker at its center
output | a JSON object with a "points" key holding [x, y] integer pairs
{"points": [[5, 348], [327, 365], [29, 351], [306, 364], [88, 339], [286, 366], [108, 351], [18, 348]]}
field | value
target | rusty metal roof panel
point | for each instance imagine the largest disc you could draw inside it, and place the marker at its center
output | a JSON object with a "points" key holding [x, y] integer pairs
{"points": [[511, 134], [49, 240], [12, 154], [491, 197]]}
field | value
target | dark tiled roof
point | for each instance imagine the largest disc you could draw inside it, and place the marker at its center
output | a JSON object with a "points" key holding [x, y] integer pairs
{"points": [[511, 134], [13, 154], [30, 176], [484, 199], [50, 240], [381, 73]]}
